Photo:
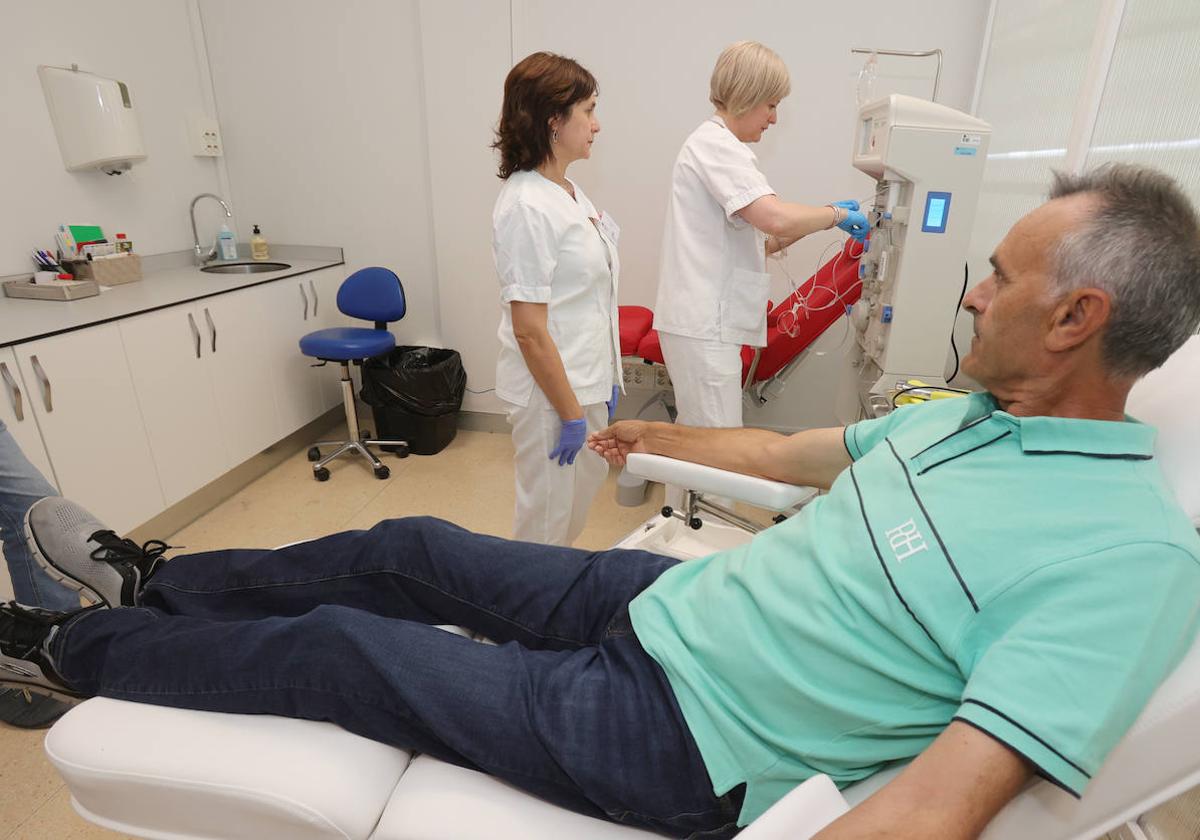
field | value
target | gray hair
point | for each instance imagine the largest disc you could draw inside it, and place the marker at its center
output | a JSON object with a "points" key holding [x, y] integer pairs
{"points": [[1142, 247]]}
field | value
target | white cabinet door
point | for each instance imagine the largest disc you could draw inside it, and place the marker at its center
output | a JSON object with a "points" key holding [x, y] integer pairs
{"points": [[166, 351], [240, 347], [298, 389], [323, 288], [86, 408], [17, 415]]}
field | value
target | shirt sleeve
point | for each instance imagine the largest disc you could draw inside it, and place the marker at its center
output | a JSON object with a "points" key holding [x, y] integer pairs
{"points": [[1064, 661], [861, 437], [525, 246], [727, 169]]}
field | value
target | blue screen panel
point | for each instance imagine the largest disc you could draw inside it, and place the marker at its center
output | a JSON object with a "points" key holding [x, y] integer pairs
{"points": [[937, 212]]}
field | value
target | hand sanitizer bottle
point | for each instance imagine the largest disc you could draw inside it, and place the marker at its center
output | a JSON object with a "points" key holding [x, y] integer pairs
{"points": [[258, 246], [226, 244]]}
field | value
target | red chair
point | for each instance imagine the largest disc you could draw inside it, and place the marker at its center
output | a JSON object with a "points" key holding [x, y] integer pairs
{"points": [[792, 325]]}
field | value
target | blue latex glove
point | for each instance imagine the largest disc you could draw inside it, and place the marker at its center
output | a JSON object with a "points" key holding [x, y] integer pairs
{"points": [[612, 403], [855, 223], [570, 441]]}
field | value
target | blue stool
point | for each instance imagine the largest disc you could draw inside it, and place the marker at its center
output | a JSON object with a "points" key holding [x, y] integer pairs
{"points": [[373, 294]]}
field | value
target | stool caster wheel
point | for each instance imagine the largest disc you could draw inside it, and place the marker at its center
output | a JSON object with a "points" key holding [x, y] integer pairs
{"points": [[314, 454], [694, 523], [402, 451], [321, 474], [667, 511], [382, 472]]}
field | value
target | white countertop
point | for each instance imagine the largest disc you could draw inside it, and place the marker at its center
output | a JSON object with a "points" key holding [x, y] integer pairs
{"points": [[168, 280]]}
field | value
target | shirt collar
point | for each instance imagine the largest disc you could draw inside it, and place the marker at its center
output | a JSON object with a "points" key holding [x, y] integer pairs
{"points": [[1128, 438]]}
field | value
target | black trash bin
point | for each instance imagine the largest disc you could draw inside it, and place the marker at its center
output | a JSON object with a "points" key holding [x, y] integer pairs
{"points": [[415, 394]]}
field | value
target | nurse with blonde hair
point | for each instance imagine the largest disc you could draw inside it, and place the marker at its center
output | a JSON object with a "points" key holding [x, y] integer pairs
{"points": [[723, 219]]}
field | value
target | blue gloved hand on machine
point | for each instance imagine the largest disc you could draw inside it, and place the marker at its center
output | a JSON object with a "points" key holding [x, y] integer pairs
{"points": [[570, 441], [612, 403], [855, 223]]}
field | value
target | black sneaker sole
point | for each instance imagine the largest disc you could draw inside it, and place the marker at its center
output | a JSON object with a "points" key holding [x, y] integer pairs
{"points": [[58, 574]]}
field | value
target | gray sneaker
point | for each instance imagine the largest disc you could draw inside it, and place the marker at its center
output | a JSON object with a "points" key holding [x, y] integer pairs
{"points": [[25, 664], [77, 550]]}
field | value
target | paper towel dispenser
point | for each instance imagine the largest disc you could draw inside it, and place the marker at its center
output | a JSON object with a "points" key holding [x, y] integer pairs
{"points": [[94, 119]]}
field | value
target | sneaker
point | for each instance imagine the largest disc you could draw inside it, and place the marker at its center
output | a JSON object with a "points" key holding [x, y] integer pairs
{"points": [[77, 550], [25, 664], [25, 710]]}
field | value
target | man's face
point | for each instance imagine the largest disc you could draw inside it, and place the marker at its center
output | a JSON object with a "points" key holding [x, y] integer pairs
{"points": [[1014, 307]]}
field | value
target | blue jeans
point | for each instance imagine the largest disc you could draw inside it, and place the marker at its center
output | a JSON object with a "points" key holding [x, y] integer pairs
{"points": [[567, 705], [20, 486]]}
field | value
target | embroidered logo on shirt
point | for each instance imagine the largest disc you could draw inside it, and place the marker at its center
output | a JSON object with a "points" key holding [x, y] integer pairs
{"points": [[905, 541]]}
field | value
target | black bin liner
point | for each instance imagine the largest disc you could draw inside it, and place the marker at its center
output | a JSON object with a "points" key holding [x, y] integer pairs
{"points": [[415, 394]]}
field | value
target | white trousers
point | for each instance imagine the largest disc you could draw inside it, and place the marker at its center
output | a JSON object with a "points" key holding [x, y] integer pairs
{"points": [[552, 501], [707, 379]]}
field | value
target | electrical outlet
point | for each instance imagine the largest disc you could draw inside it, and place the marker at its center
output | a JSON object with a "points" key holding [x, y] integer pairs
{"points": [[205, 137]]}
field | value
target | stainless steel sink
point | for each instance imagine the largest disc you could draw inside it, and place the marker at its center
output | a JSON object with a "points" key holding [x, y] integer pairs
{"points": [[244, 267]]}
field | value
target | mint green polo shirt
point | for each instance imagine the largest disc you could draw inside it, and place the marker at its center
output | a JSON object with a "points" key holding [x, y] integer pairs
{"points": [[1030, 576]]}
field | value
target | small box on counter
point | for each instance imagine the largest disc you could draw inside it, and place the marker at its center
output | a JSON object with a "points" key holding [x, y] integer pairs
{"points": [[56, 290], [108, 271]]}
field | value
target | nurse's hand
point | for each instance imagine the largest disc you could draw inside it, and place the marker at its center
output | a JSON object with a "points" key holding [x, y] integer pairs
{"points": [[618, 440], [855, 223], [570, 441], [612, 403]]}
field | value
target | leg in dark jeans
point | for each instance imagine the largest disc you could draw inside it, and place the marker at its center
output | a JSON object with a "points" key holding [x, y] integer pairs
{"points": [[569, 707], [419, 569]]}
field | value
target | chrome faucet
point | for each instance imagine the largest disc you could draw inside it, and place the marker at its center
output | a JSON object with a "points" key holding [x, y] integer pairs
{"points": [[201, 258]]}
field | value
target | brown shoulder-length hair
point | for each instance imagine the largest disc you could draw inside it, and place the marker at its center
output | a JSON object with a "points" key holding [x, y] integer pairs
{"points": [[539, 87]]}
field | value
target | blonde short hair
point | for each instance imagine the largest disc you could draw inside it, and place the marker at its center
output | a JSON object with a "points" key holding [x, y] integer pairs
{"points": [[746, 74]]}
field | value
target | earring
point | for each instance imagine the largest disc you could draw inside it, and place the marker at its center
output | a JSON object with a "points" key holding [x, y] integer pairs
{"points": [[554, 136]]}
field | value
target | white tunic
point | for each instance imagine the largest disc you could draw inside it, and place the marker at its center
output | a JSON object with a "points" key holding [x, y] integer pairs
{"points": [[549, 250], [712, 281]]}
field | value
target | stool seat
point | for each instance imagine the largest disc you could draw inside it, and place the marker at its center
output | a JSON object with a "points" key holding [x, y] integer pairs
{"points": [[634, 322], [341, 344]]}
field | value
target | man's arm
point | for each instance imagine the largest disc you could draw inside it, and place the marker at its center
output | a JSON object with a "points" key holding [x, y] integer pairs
{"points": [[951, 792], [812, 458]]}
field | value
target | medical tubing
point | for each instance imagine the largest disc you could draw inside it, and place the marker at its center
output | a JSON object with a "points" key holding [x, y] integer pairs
{"points": [[904, 391], [957, 309]]}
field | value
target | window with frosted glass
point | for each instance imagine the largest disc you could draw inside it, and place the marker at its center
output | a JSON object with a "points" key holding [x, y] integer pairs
{"points": [[1150, 111], [1035, 65]]}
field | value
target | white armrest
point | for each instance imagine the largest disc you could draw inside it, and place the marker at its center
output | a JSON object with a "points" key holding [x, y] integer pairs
{"points": [[810, 807], [759, 492]]}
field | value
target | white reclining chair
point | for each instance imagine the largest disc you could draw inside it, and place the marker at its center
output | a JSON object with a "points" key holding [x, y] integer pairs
{"points": [[167, 773]]}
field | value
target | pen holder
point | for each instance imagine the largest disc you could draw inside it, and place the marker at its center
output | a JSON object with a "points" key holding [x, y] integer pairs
{"points": [[108, 271]]}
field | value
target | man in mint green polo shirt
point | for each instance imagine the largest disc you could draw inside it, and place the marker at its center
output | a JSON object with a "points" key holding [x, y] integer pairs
{"points": [[993, 585]]}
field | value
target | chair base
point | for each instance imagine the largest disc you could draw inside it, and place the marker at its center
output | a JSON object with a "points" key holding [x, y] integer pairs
{"points": [[358, 442]]}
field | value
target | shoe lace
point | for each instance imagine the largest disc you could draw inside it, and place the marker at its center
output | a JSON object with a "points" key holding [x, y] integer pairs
{"points": [[22, 630], [113, 548]]}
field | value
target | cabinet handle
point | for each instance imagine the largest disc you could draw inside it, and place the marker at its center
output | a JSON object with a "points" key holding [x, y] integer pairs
{"points": [[195, 333], [45, 380], [212, 328], [305, 297], [316, 302], [14, 392]]}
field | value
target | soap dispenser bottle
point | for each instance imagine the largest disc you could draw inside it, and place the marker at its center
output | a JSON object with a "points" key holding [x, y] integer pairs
{"points": [[226, 244], [258, 246]]}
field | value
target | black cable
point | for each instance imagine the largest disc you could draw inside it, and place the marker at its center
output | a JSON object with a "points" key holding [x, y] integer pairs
{"points": [[484, 391], [904, 391], [957, 309]]}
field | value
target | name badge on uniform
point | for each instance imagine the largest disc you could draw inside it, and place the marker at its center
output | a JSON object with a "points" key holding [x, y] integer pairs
{"points": [[608, 227]]}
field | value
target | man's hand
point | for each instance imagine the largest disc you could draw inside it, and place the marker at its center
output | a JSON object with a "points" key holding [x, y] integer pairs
{"points": [[615, 443]]}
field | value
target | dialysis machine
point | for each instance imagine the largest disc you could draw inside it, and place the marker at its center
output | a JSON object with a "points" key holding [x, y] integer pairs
{"points": [[928, 161]]}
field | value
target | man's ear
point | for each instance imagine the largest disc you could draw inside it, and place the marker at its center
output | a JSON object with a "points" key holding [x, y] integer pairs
{"points": [[1081, 314]]}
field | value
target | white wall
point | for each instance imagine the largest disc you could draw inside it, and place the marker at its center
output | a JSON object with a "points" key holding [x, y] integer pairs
{"points": [[652, 61], [148, 45], [322, 115]]}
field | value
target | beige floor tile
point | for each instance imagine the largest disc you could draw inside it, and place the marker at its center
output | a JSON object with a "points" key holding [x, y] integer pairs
{"points": [[57, 820], [27, 778]]}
